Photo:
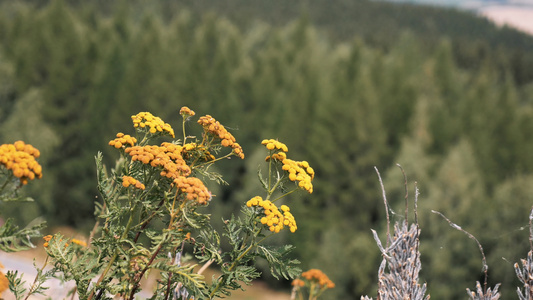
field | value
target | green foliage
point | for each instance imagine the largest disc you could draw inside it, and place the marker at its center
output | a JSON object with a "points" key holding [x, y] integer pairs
{"points": [[14, 239], [150, 210], [17, 164]]}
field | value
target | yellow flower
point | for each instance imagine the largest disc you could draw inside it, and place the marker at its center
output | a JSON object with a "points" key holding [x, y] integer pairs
{"points": [[47, 240], [128, 180], [4, 283], [280, 156], [194, 189], [298, 282], [186, 112], [273, 218], [79, 242], [168, 157], [214, 128], [20, 159], [301, 172], [318, 276], [272, 144], [143, 119], [122, 140]]}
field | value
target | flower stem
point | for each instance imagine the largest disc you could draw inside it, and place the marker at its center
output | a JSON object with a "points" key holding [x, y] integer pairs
{"points": [[39, 272], [115, 255], [286, 194], [6, 182]]}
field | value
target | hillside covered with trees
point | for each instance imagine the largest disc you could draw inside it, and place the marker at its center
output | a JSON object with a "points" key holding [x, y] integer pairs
{"points": [[349, 85]]}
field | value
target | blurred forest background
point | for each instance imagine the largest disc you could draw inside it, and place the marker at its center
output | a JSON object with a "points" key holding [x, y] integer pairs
{"points": [[346, 84]]}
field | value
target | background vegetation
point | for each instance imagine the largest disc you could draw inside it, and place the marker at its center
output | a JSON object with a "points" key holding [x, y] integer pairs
{"points": [[347, 84]]}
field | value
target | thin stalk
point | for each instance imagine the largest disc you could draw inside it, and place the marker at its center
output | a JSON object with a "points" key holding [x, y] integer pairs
{"points": [[286, 194], [320, 292], [205, 266], [386, 207], [312, 291], [293, 292], [6, 182], [273, 189], [36, 278], [236, 261], [115, 255], [183, 130], [406, 193], [141, 274], [169, 281], [147, 221], [138, 278], [213, 161], [484, 258], [96, 225], [270, 174]]}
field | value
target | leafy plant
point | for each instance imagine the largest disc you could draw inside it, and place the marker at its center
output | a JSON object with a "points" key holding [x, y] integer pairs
{"points": [[150, 219]]}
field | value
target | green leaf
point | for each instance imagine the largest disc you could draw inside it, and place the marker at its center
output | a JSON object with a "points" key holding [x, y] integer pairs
{"points": [[16, 284], [13, 239], [279, 264], [193, 282], [261, 179]]}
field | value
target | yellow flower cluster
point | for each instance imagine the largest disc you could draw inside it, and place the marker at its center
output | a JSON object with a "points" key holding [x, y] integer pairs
{"points": [[187, 112], [300, 171], [214, 127], [48, 238], [122, 140], [146, 119], [194, 188], [128, 180], [273, 144], [298, 282], [4, 283], [274, 219], [79, 242], [319, 277], [168, 156], [20, 159]]}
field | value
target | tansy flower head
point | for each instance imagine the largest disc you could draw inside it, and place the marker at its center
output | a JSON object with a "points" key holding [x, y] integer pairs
{"points": [[20, 159], [194, 189], [152, 123], [122, 140], [79, 242], [301, 172], [318, 276], [47, 239], [274, 144], [186, 112], [298, 282], [128, 180], [214, 128], [167, 157], [4, 283], [273, 218], [280, 156]]}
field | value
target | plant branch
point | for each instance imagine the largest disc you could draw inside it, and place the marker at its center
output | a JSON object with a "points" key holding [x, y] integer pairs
{"points": [[484, 259], [386, 206]]}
